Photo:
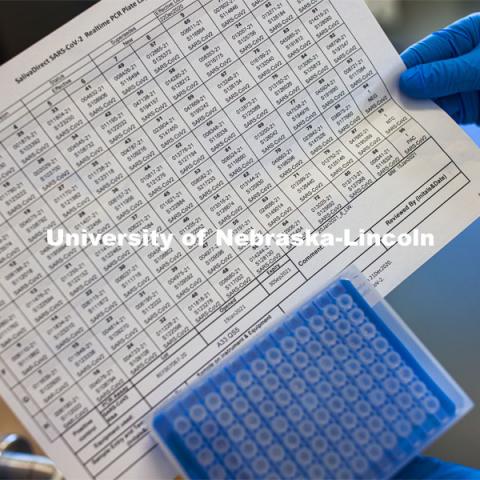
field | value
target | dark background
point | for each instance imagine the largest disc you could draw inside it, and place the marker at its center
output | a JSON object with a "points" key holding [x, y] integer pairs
{"points": [[24, 22], [441, 301]]}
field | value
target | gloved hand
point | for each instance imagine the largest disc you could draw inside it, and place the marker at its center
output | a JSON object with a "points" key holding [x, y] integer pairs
{"points": [[445, 67], [431, 468]]}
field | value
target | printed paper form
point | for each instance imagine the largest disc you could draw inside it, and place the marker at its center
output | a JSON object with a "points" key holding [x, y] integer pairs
{"points": [[278, 115]]}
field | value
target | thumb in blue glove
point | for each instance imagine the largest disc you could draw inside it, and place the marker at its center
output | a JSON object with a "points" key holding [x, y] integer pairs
{"points": [[445, 67]]}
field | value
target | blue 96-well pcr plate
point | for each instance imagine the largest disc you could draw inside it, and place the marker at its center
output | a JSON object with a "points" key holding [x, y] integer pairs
{"points": [[337, 389]]}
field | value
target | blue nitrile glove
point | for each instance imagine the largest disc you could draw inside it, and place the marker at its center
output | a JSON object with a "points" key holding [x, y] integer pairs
{"points": [[445, 67], [431, 468]]}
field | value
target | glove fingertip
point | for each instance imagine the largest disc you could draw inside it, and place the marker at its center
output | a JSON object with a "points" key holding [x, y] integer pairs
{"points": [[410, 57], [412, 83]]}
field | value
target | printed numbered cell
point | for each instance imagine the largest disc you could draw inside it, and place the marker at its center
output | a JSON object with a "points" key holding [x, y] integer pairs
{"points": [[361, 139], [303, 184], [179, 80], [204, 181], [315, 137], [159, 54], [224, 206], [116, 330], [48, 170], [135, 151], [294, 224], [202, 304], [282, 86], [115, 124], [137, 355], [83, 356], [144, 219], [47, 382], [343, 116], [242, 224], [129, 277], [102, 174], [100, 383], [299, 112], [82, 146], [7, 165], [151, 303], [50, 256], [196, 221], [70, 197], [409, 137], [182, 279], [68, 408], [382, 158], [59, 118], [323, 205], [160, 258], [268, 135], [249, 109], [193, 31], [123, 200], [66, 326], [259, 259], [166, 129], [16, 194], [253, 184], [217, 133], [327, 90], [27, 141], [26, 354], [302, 6], [338, 45], [356, 70], [212, 58], [285, 160], [274, 16], [230, 84], [263, 61], [388, 118], [211, 258], [310, 65], [272, 208], [77, 275], [334, 160], [292, 40], [127, 75], [107, 257], [235, 158], [146, 102], [225, 14], [174, 203], [371, 95], [154, 178], [10, 243], [322, 20], [95, 304], [93, 94], [171, 330], [197, 107], [245, 35], [185, 155], [233, 279]]}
